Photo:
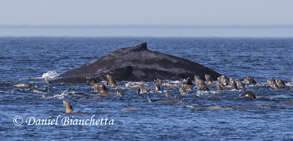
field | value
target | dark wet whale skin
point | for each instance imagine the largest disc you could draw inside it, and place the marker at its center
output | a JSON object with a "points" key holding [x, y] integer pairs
{"points": [[136, 64]]}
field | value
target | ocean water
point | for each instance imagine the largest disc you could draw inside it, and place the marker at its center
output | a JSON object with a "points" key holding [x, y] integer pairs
{"points": [[147, 31], [31, 59]]}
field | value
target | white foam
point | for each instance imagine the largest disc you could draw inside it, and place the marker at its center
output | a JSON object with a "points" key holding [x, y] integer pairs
{"points": [[214, 92], [177, 81], [290, 84], [50, 75], [202, 93], [129, 84], [260, 84], [64, 94]]}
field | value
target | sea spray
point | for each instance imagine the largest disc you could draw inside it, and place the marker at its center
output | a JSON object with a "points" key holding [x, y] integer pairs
{"points": [[50, 75]]}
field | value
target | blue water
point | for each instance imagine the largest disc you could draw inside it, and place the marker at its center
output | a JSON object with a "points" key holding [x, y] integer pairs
{"points": [[147, 31], [25, 60]]}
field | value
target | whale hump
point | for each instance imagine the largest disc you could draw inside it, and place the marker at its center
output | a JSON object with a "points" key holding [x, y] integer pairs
{"points": [[136, 63]]}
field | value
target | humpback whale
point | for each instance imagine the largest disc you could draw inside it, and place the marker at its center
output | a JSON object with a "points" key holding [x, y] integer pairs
{"points": [[136, 63]]}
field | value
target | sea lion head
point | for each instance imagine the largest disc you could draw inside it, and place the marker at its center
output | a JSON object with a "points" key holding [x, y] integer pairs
{"points": [[233, 84], [219, 87], [182, 91], [68, 107], [102, 90], [223, 80], [250, 80], [157, 88], [141, 89], [119, 93], [159, 81], [272, 83], [280, 83], [111, 80], [196, 79], [202, 86], [248, 94], [208, 79], [188, 81], [90, 80], [240, 84], [168, 95]]}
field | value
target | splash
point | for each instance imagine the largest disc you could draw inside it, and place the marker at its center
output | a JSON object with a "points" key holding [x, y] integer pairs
{"points": [[50, 75], [64, 94]]}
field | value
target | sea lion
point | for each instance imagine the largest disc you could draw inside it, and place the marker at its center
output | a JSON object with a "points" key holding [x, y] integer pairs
{"points": [[208, 79], [96, 88], [129, 109], [102, 90], [142, 89], [208, 108], [168, 95], [250, 80], [157, 89], [280, 83], [219, 87], [198, 81], [185, 86], [22, 85], [223, 80], [233, 84], [91, 81], [169, 102], [243, 107], [37, 92], [272, 83], [168, 85], [111, 81], [202, 86], [48, 81], [263, 107], [159, 81], [289, 103], [196, 77], [240, 85], [182, 91], [188, 81], [248, 94], [69, 109], [119, 93]]}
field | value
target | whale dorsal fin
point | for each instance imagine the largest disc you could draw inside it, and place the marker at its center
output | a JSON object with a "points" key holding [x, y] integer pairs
{"points": [[140, 47]]}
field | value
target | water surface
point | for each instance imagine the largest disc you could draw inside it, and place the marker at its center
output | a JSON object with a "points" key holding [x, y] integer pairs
{"points": [[25, 60]]}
